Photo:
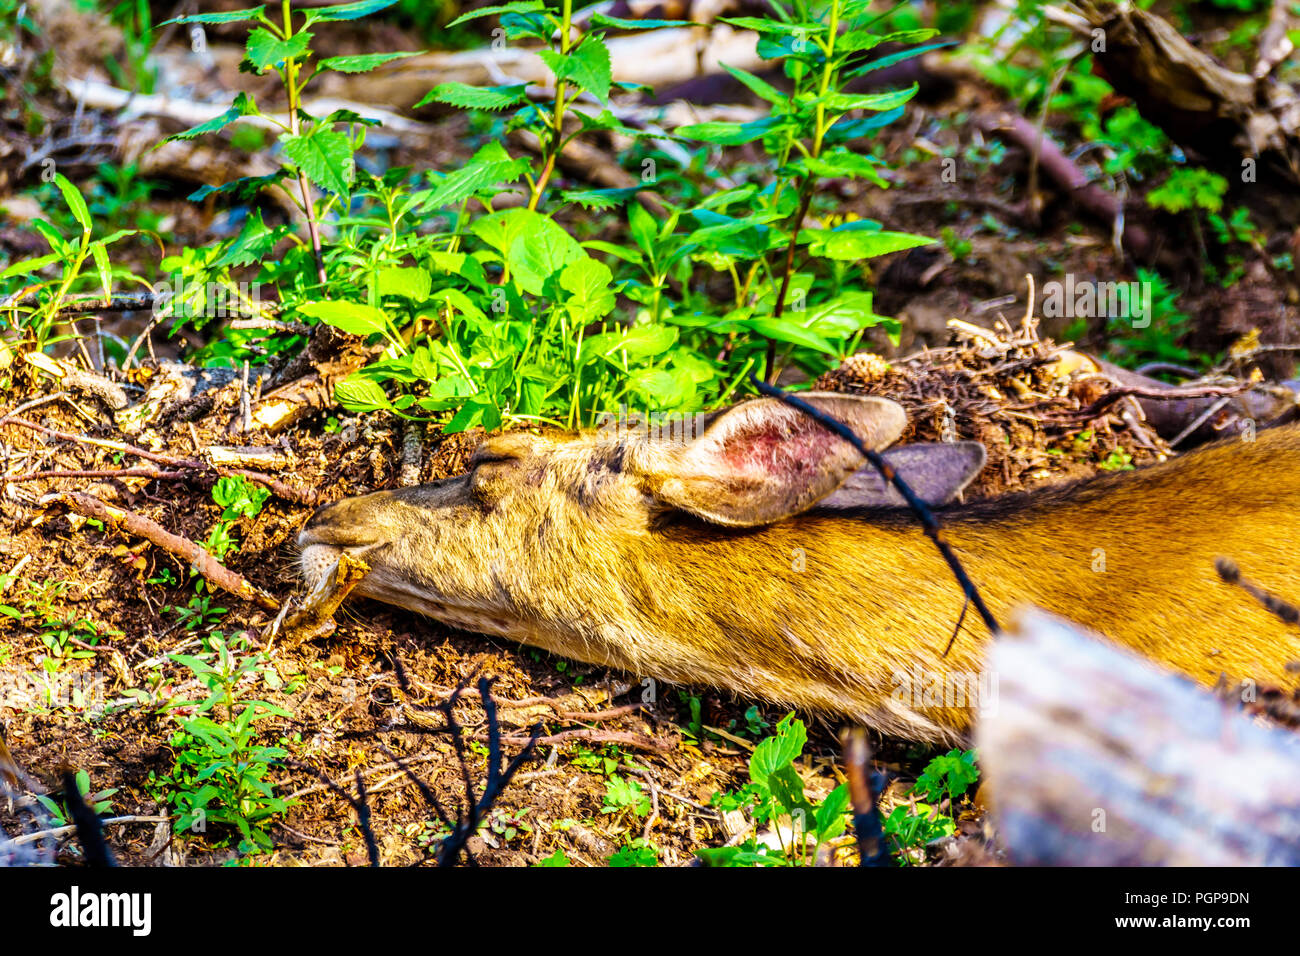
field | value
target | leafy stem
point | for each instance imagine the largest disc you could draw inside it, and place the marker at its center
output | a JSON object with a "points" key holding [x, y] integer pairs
{"points": [[555, 141], [295, 128]]}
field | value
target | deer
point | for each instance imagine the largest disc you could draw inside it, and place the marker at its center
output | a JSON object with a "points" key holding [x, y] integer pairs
{"points": [[758, 555]]}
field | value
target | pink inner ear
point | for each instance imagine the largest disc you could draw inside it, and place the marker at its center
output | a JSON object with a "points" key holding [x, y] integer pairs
{"points": [[779, 451]]}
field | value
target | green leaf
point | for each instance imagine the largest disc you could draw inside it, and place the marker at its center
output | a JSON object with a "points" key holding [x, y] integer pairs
{"points": [[520, 6], [360, 63], [246, 187], [541, 249], [601, 20], [474, 412], [324, 155], [615, 250], [349, 317], [490, 166], [779, 750], [243, 105], [637, 342], [731, 134], [102, 266], [841, 162], [230, 16], [27, 266], [842, 102], [476, 97], [351, 117], [757, 85], [642, 227], [72, 196], [787, 789], [459, 301], [851, 245], [358, 394], [783, 330], [347, 11], [113, 237], [599, 198], [254, 242], [881, 62], [413, 284], [587, 281], [761, 25], [587, 65], [830, 815], [265, 49]]}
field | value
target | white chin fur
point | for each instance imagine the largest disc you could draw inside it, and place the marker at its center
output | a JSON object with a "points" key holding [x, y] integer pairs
{"points": [[315, 561]]}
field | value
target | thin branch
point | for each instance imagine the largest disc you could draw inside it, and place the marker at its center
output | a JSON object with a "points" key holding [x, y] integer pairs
{"points": [[203, 563], [278, 487], [1229, 573], [1170, 394]]}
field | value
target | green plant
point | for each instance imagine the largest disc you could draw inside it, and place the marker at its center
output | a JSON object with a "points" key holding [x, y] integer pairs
{"points": [[622, 794], [32, 303], [959, 248], [100, 802], [806, 136], [505, 824], [1040, 63], [1165, 327], [510, 315], [220, 770], [199, 612], [133, 72], [604, 761], [754, 722], [776, 791], [911, 826], [639, 852], [65, 637], [1117, 460], [555, 859], [239, 498], [1189, 188], [947, 776]]}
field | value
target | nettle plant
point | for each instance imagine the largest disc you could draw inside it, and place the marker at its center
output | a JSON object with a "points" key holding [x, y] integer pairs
{"points": [[313, 151], [32, 291], [489, 300]]}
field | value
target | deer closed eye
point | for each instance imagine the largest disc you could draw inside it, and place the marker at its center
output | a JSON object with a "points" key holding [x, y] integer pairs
{"points": [[492, 458], [490, 474]]}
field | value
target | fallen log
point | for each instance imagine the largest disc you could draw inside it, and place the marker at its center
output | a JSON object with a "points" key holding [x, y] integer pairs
{"points": [[1096, 757]]}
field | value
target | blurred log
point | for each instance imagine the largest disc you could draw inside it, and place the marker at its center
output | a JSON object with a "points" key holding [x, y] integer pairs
{"points": [[656, 58], [1204, 418], [1204, 107], [1095, 757]]}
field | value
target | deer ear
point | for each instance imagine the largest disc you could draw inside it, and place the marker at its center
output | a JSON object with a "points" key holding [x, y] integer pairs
{"points": [[763, 460], [936, 472]]}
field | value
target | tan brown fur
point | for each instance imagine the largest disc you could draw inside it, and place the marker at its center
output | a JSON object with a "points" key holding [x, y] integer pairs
{"points": [[568, 544]]}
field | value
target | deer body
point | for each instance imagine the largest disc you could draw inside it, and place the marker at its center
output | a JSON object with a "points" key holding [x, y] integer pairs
{"points": [[732, 561]]}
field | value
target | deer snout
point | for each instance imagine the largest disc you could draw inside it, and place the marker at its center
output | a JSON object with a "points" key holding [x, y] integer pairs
{"points": [[350, 525]]}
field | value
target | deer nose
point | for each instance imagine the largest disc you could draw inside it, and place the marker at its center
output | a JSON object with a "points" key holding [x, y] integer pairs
{"points": [[350, 523]]}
